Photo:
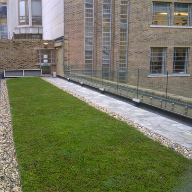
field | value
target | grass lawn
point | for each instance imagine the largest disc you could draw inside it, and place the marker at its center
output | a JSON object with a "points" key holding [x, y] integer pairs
{"points": [[63, 144]]}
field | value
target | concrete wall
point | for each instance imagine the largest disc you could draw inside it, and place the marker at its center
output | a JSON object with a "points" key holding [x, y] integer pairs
{"points": [[53, 19], [12, 16]]}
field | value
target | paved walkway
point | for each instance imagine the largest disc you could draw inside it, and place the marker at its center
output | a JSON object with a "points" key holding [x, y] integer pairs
{"points": [[164, 126]]}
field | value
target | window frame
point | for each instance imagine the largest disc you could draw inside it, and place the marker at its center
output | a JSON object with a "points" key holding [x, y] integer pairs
{"points": [[168, 13], [26, 17], [163, 60], [106, 38], [3, 21], [189, 14], [36, 17], [186, 62], [88, 37], [123, 41]]}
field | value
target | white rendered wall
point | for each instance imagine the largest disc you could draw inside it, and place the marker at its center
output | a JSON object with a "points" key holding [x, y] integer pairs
{"points": [[12, 16], [53, 19]]}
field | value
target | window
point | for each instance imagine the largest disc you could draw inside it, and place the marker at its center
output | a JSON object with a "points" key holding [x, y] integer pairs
{"points": [[3, 21], [3, 10], [182, 14], [23, 12], [106, 39], [36, 12], [122, 71], [4, 32], [89, 37], [158, 60], [27, 36], [180, 60], [161, 13]]}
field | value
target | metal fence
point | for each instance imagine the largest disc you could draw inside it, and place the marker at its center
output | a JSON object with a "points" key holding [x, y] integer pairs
{"points": [[168, 91]]}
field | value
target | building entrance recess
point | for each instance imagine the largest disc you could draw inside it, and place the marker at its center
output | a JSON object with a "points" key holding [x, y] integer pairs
{"points": [[46, 59]]}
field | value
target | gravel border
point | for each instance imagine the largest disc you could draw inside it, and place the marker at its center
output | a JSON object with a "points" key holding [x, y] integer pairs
{"points": [[156, 137], [9, 171]]}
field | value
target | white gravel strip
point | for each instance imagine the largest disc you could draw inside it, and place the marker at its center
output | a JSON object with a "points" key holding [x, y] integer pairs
{"points": [[9, 172], [163, 140]]}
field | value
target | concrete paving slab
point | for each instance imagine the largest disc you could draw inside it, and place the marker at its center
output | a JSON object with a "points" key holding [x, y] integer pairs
{"points": [[165, 126]]}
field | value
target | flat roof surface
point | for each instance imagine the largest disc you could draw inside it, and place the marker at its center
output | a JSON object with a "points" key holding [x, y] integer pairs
{"points": [[174, 130]]}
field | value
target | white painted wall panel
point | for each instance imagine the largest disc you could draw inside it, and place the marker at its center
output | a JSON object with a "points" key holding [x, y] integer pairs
{"points": [[12, 16], [53, 19]]}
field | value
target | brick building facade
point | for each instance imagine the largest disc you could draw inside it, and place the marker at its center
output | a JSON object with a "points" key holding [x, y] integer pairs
{"points": [[117, 40], [146, 38]]}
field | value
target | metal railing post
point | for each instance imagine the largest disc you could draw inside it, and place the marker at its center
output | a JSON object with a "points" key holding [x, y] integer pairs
{"points": [[137, 83], [166, 90]]}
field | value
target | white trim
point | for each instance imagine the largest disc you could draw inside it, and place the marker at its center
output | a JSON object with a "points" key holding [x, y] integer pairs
{"points": [[173, 26], [170, 75]]}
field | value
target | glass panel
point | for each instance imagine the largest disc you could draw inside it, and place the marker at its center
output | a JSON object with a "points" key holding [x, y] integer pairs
{"points": [[89, 1], [89, 37], [3, 11], [23, 12], [3, 21], [36, 12], [107, 1], [36, 36], [182, 14], [158, 58], [180, 62], [125, 2], [161, 13], [123, 44], [88, 55], [106, 38]]}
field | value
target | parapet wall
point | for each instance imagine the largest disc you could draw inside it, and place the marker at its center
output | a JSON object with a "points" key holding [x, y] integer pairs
{"points": [[21, 54]]}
